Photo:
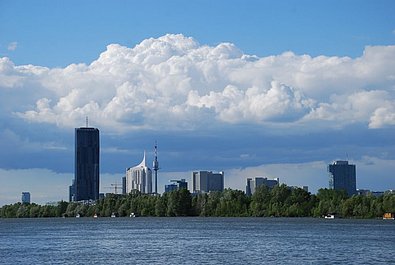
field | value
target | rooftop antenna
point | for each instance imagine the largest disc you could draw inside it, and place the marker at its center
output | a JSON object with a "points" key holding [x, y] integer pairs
{"points": [[86, 121], [156, 167]]}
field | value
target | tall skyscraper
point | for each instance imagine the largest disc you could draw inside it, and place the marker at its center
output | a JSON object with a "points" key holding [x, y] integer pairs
{"points": [[206, 181], [252, 184], [342, 176], [87, 157], [139, 178]]}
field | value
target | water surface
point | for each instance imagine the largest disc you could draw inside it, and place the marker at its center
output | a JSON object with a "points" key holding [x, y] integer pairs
{"points": [[196, 241]]}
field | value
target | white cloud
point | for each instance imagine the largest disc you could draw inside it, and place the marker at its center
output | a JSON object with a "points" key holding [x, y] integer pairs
{"points": [[12, 46], [173, 82], [383, 116]]}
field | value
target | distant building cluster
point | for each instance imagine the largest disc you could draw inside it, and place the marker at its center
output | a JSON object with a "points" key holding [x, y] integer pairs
{"points": [[85, 185]]}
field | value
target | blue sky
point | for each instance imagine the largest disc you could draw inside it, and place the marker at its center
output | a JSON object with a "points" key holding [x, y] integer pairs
{"points": [[273, 88]]}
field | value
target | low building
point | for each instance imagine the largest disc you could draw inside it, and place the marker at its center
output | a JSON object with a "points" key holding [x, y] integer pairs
{"points": [[176, 185], [171, 187], [25, 197], [253, 183]]}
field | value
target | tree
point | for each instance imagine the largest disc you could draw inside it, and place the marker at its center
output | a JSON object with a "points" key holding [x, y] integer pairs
{"points": [[260, 201], [160, 206]]}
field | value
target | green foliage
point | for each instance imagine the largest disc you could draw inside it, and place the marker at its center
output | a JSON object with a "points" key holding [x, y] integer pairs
{"points": [[281, 201]]}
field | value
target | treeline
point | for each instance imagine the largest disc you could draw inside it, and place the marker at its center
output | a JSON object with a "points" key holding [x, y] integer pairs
{"points": [[281, 201]]}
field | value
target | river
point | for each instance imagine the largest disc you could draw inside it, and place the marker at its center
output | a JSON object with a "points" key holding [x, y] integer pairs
{"points": [[196, 241]]}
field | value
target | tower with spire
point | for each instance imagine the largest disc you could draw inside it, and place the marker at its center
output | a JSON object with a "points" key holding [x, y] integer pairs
{"points": [[139, 178]]}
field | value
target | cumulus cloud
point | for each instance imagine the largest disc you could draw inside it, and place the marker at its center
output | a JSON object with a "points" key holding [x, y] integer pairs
{"points": [[173, 82]]}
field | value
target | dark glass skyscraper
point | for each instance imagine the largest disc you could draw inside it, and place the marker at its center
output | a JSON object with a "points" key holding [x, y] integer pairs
{"points": [[342, 176], [87, 156]]}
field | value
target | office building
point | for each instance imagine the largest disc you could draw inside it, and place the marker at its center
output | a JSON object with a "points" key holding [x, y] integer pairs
{"points": [[206, 181], [176, 185], [342, 176], [171, 187], [253, 183], [72, 191], [124, 185], [139, 178], [87, 155], [25, 197]]}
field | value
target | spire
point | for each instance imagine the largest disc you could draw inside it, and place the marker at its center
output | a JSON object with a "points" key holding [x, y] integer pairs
{"points": [[143, 163]]}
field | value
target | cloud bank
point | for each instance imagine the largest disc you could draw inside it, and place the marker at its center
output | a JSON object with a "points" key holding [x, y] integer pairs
{"points": [[175, 83]]}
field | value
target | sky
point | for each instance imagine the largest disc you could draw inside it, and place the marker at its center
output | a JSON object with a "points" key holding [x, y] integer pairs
{"points": [[251, 88]]}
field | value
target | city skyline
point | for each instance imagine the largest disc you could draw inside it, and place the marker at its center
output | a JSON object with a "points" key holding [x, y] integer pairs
{"points": [[251, 88]]}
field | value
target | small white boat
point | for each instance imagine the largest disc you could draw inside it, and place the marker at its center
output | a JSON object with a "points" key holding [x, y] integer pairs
{"points": [[329, 216], [78, 215], [113, 215], [132, 215], [95, 216]]}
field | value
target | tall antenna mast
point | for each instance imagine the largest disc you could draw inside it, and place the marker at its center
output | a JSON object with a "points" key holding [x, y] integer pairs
{"points": [[86, 121], [156, 167]]}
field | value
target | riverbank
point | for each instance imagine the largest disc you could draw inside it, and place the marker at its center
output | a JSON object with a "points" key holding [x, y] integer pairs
{"points": [[281, 201]]}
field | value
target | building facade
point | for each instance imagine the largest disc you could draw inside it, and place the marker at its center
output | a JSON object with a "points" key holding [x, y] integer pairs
{"points": [[87, 162], [124, 185], [25, 197], [253, 183], [206, 181], [342, 176], [139, 178]]}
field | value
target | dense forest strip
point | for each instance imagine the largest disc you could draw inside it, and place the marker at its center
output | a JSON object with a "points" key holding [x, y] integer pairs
{"points": [[281, 201]]}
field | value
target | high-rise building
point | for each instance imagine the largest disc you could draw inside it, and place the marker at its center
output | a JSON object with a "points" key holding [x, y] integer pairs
{"points": [[124, 185], [87, 157], [342, 176], [176, 185], [72, 191], [206, 181], [25, 197], [139, 178], [252, 184]]}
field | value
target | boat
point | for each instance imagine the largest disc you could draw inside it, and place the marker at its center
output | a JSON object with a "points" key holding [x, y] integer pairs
{"points": [[389, 216], [78, 215], [329, 216], [113, 215], [132, 215], [95, 216]]}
